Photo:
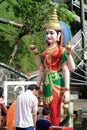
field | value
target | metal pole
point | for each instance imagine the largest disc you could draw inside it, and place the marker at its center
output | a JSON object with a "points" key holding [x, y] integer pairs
{"points": [[82, 18], [71, 5]]}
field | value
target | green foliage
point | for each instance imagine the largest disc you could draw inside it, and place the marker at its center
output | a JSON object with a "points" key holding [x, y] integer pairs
{"points": [[24, 59], [36, 13], [65, 15], [8, 36], [33, 14]]}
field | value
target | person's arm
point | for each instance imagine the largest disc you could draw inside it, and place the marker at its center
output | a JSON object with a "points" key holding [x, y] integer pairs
{"points": [[40, 75], [34, 117], [66, 74], [37, 58], [71, 63], [36, 55], [34, 111], [5, 112], [4, 108]]}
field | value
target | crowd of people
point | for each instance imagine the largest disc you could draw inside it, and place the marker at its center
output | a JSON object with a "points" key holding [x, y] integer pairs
{"points": [[22, 114]]}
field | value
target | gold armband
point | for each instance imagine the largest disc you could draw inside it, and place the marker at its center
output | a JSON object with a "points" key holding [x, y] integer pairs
{"points": [[67, 89], [36, 53]]}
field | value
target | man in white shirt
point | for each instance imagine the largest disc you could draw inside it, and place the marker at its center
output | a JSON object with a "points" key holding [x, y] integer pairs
{"points": [[26, 109]]}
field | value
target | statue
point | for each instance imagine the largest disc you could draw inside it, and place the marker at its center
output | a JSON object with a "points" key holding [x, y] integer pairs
{"points": [[54, 68]]}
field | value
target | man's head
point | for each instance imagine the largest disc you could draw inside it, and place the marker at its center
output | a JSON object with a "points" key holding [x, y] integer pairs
{"points": [[34, 88]]}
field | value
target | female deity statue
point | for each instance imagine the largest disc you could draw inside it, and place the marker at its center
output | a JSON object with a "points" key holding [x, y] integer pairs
{"points": [[54, 69]]}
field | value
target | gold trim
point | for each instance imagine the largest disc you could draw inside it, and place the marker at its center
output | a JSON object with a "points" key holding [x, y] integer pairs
{"points": [[53, 22], [48, 100]]}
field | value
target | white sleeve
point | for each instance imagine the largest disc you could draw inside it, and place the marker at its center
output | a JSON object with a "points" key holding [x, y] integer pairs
{"points": [[35, 104]]}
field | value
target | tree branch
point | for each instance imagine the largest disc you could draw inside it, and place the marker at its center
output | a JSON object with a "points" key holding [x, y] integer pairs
{"points": [[4, 21], [1, 1], [13, 70]]}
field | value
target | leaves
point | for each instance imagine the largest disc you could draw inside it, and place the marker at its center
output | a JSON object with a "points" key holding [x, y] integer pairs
{"points": [[65, 15], [33, 14]]}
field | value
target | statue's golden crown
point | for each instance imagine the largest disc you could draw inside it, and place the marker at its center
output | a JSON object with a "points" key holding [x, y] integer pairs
{"points": [[53, 23]]}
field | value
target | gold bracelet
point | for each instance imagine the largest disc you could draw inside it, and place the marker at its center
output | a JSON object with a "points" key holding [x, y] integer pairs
{"points": [[35, 53], [67, 89]]}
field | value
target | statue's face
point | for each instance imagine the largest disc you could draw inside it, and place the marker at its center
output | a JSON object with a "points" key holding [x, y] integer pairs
{"points": [[51, 36]]}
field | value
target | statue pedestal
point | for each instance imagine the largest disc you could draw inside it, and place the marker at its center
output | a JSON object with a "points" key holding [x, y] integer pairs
{"points": [[60, 128]]}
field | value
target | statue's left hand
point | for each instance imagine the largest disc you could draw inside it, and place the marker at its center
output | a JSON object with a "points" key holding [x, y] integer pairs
{"points": [[69, 50]]}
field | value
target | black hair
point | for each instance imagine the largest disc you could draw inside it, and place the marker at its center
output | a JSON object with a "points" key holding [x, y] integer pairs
{"points": [[1, 91], [33, 86], [58, 31], [57, 34], [46, 111]]}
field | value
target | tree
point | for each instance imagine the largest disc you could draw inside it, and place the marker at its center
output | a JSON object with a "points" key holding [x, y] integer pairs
{"points": [[34, 15], [41, 11], [31, 23]]}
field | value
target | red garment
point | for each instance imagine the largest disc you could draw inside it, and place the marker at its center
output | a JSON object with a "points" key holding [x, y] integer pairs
{"points": [[53, 59], [1, 102], [11, 117], [60, 128], [55, 107]]}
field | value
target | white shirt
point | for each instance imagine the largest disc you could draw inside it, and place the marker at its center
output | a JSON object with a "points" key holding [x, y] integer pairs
{"points": [[26, 103]]}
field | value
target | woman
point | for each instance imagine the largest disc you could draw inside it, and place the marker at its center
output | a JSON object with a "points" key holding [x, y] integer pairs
{"points": [[54, 69], [3, 110]]}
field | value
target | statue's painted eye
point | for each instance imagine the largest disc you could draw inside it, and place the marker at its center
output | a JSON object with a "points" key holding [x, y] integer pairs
{"points": [[46, 33], [51, 32]]}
